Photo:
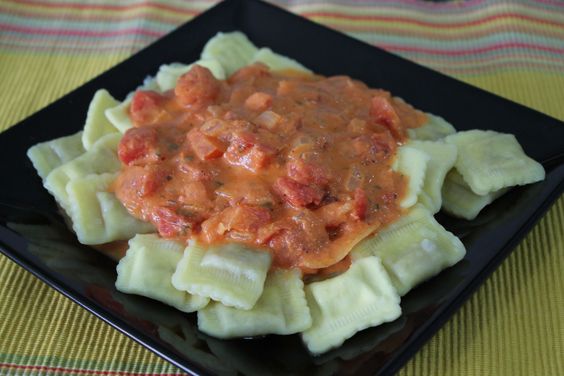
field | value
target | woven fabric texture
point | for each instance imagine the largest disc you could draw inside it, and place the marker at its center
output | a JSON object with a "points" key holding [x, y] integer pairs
{"points": [[512, 326]]}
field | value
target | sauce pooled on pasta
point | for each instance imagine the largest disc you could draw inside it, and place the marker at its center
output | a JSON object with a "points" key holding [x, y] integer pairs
{"points": [[296, 164]]}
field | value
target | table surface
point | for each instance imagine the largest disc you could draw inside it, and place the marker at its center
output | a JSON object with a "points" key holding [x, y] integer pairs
{"points": [[513, 325]]}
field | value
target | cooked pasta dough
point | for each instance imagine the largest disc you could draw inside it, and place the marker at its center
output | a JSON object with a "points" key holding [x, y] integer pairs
{"points": [[489, 161], [147, 269], [100, 159], [412, 163], [47, 156], [232, 50], [230, 273], [435, 129], [97, 215], [281, 309], [442, 158], [459, 200], [276, 61], [361, 297], [97, 125], [412, 249]]}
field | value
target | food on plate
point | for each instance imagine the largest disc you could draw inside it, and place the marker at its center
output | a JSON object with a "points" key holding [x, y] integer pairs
{"points": [[272, 200]]}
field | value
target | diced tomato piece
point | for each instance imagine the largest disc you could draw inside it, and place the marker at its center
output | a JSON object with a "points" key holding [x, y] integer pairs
{"points": [[258, 101], [146, 107], [360, 204], [243, 151], [383, 113], [195, 194], [297, 194], [197, 88], [258, 157], [170, 224], [307, 173], [213, 229], [250, 72], [139, 146], [205, 147], [245, 218]]}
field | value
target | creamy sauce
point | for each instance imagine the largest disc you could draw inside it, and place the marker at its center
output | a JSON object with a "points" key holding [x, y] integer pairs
{"points": [[298, 165]]}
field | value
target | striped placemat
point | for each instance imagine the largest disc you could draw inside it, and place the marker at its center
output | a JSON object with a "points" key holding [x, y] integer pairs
{"points": [[511, 326]]}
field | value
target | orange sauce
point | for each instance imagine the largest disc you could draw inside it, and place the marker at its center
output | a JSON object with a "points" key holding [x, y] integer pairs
{"points": [[298, 165]]}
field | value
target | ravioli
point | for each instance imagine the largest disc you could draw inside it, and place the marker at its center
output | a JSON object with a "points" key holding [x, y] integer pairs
{"points": [[47, 156], [489, 161], [281, 309], [230, 273], [147, 270], [337, 314]]}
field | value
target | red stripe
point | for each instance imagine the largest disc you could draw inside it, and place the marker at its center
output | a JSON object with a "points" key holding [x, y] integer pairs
{"points": [[104, 6], [493, 47], [46, 31], [444, 25], [84, 371]]}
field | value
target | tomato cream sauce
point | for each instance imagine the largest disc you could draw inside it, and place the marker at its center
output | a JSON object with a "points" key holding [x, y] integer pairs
{"points": [[298, 165]]}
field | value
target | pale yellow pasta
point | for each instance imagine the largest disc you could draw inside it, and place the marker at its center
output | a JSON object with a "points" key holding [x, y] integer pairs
{"points": [[412, 249], [232, 50], [434, 129], [412, 163], [100, 159], [360, 298], [281, 309], [97, 215], [97, 125], [231, 273], [147, 270], [168, 74], [119, 115], [47, 156], [460, 201], [276, 61], [489, 161], [442, 158]]}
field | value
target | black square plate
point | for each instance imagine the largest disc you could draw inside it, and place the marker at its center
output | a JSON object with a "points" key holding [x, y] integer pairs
{"points": [[34, 235]]}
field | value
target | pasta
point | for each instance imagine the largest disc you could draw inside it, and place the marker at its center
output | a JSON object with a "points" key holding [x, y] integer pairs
{"points": [[337, 314], [245, 271], [49, 155], [281, 309], [147, 269], [231, 274], [489, 161]]}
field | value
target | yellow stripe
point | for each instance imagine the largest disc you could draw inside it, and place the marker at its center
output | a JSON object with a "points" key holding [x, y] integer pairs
{"points": [[41, 79]]}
